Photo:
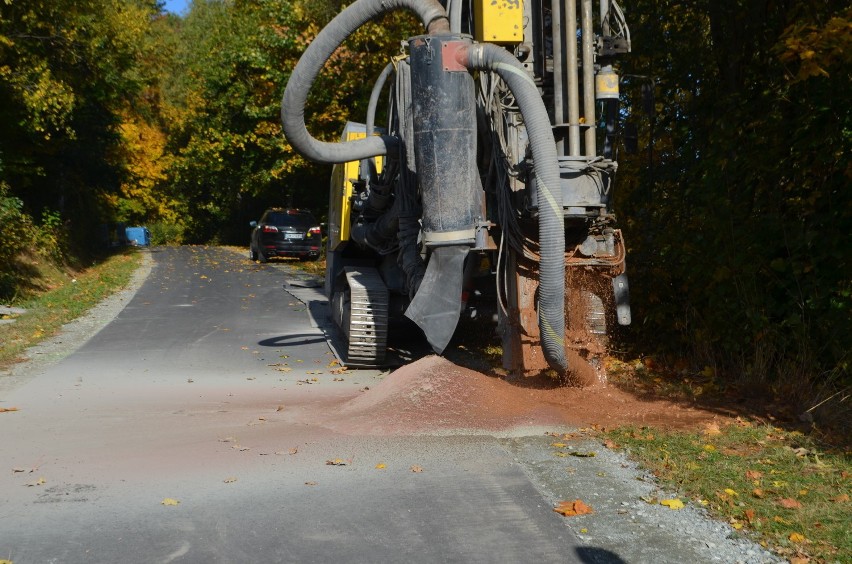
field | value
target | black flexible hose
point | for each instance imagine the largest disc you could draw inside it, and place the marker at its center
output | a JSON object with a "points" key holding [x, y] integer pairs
{"points": [[551, 303], [434, 18]]}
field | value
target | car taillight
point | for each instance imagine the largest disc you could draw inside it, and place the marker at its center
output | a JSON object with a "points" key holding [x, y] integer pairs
{"points": [[315, 231], [270, 229]]}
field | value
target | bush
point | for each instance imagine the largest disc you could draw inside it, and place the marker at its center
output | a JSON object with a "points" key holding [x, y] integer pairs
{"points": [[166, 233], [16, 235]]}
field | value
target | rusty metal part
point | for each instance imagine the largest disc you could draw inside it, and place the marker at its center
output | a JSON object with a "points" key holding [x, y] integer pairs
{"points": [[588, 306]]}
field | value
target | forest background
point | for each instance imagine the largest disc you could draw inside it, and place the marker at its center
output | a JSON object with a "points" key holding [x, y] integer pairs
{"points": [[736, 208]]}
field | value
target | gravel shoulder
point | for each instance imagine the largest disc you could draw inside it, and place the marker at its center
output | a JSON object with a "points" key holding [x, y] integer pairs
{"points": [[75, 334]]}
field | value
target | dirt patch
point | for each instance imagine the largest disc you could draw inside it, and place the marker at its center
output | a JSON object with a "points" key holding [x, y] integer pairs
{"points": [[434, 394]]}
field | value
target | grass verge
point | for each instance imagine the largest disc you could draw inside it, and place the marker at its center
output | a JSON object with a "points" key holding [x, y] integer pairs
{"points": [[61, 297], [777, 486]]}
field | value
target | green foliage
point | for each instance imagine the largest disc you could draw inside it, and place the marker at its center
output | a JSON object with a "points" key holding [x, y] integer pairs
{"points": [[15, 236], [739, 207], [163, 233]]}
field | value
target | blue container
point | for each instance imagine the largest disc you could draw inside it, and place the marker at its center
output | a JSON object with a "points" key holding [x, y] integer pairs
{"points": [[138, 236]]}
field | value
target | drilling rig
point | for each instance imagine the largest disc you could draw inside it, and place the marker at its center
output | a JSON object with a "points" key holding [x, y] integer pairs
{"points": [[498, 157]]}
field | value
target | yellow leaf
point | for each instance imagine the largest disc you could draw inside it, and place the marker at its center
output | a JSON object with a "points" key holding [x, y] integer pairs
{"points": [[381, 466], [737, 525], [672, 503], [584, 530], [709, 448], [797, 537], [229, 480], [731, 492], [558, 445], [169, 501]]}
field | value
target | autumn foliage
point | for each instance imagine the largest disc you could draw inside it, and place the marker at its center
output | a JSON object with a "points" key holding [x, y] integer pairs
{"points": [[736, 207]]}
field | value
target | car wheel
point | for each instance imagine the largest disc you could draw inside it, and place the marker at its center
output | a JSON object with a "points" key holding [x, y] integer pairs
{"points": [[252, 254], [261, 257]]}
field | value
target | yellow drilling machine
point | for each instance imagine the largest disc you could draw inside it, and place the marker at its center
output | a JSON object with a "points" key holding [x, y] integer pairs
{"points": [[497, 163]]}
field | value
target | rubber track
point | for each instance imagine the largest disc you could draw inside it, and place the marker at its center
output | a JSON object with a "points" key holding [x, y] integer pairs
{"points": [[368, 316]]}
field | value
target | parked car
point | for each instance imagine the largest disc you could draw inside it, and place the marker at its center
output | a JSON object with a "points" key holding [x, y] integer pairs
{"points": [[285, 233]]}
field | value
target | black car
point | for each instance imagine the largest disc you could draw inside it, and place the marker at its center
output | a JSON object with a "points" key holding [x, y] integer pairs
{"points": [[285, 233]]}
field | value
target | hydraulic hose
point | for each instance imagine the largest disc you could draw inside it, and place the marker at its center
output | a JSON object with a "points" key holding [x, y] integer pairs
{"points": [[374, 97], [551, 305], [434, 18]]}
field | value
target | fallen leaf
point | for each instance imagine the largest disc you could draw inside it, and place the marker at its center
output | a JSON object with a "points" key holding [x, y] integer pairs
{"points": [[672, 503], [709, 448], [39, 482], [800, 560], [294, 450], [8, 409], [230, 480], [749, 515], [797, 537], [335, 462], [610, 444], [731, 492], [712, 430], [16, 470], [381, 466], [310, 483], [789, 503], [558, 445], [754, 474], [169, 501], [737, 524], [572, 508], [280, 408], [588, 454], [758, 493], [779, 519], [843, 498], [416, 469]]}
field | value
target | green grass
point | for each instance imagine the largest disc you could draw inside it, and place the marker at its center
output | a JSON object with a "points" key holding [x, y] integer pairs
{"points": [[789, 493], [59, 297]]}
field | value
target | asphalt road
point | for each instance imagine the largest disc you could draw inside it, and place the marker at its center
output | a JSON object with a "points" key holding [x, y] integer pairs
{"points": [[213, 390]]}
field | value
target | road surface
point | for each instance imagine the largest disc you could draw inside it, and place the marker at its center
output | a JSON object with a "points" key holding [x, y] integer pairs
{"points": [[208, 423]]}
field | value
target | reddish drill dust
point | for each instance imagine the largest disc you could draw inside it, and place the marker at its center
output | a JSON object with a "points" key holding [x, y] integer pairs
{"points": [[435, 394]]}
